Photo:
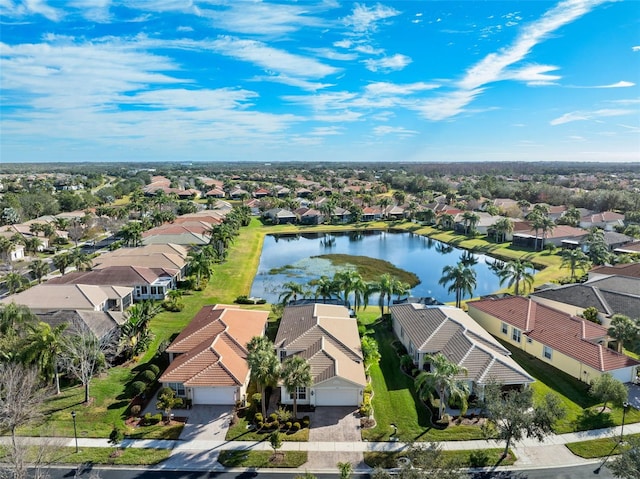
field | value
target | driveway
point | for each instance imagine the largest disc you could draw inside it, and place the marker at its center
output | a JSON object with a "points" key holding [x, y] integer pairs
{"points": [[207, 423], [333, 425]]}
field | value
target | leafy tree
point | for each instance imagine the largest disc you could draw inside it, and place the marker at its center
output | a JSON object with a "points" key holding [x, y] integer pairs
{"points": [[428, 461], [264, 365], [168, 401], [513, 415], [345, 469], [623, 329], [62, 261], [460, 279], [591, 314], [275, 439], [605, 388], [627, 464], [9, 216], [296, 373], [444, 380], [370, 351], [574, 259], [516, 272]]}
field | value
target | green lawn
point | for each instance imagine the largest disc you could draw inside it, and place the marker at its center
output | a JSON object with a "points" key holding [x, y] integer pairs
{"points": [[395, 401], [583, 412], [262, 459], [99, 455], [598, 447], [471, 458]]}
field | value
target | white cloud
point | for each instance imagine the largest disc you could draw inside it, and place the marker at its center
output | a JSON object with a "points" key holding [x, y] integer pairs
{"points": [[620, 84], [589, 115], [635, 48], [394, 130], [184, 28], [446, 106], [384, 88], [327, 131], [296, 82], [94, 10], [271, 58], [40, 7], [533, 75], [330, 54], [364, 19], [388, 64]]}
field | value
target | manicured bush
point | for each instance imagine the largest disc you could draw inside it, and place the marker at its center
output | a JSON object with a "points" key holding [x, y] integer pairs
{"points": [[147, 376], [135, 410], [273, 417], [259, 425], [258, 417], [306, 423], [163, 391], [478, 458], [137, 388], [295, 426], [151, 419], [153, 368], [288, 425]]}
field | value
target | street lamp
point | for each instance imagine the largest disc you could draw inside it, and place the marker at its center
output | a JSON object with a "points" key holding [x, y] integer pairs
{"points": [[625, 405], [75, 430]]}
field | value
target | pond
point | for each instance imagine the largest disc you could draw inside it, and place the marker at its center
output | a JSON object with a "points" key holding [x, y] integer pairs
{"points": [[288, 258]]}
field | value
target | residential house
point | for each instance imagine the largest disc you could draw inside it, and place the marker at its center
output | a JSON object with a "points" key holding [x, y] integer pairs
{"points": [[560, 235], [104, 324], [429, 330], [631, 270], [215, 193], [606, 220], [629, 248], [609, 295], [280, 216], [327, 337], [176, 234], [569, 343], [309, 216], [371, 213], [612, 239], [169, 256], [261, 193], [51, 297], [148, 283], [208, 359]]}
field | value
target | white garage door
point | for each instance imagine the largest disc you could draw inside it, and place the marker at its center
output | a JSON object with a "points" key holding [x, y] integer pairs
{"points": [[337, 397], [213, 396]]}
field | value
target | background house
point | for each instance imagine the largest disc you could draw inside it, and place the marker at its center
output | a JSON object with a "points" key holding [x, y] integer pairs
{"points": [[209, 357], [328, 339], [569, 343]]}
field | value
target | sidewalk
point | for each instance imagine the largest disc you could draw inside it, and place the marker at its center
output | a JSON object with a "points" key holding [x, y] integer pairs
{"points": [[202, 455]]}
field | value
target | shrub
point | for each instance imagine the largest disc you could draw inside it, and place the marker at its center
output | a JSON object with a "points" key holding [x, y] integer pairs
{"points": [[137, 387], [116, 436], [283, 414], [258, 417], [135, 410], [274, 424], [154, 368], [150, 420], [478, 458], [295, 426], [147, 376], [173, 306], [365, 410], [256, 400], [243, 299], [306, 422], [406, 362], [288, 425], [273, 417], [368, 388], [163, 392]]}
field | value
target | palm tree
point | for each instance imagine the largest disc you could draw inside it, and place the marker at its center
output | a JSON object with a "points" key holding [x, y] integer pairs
{"points": [[428, 216], [43, 346], [470, 220], [384, 287], [623, 330], [446, 221], [291, 292], [514, 272], [39, 269], [33, 244], [200, 265], [547, 225], [461, 279], [596, 247], [264, 365], [135, 335], [14, 282], [502, 228], [346, 282], [444, 380], [62, 261], [81, 261], [574, 259], [296, 373], [325, 288]]}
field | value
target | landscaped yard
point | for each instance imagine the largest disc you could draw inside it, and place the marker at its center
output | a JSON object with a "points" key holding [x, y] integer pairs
{"points": [[262, 458], [471, 458], [598, 447], [395, 401], [583, 412]]}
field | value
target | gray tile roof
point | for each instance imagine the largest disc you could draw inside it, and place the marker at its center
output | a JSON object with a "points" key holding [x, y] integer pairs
{"points": [[450, 331]]}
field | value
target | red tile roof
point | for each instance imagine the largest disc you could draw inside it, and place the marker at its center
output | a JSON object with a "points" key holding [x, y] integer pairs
{"points": [[570, 335], [213, 347]]}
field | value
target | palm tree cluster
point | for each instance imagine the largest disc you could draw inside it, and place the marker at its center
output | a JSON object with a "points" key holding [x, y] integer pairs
{"points": [[347, 286], [461, 278], [135, 335]]}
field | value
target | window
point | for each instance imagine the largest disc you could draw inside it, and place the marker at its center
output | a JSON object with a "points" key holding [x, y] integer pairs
{"points": [[505, 328], [283, 355], [302, 394], [178, 388], [516, 335], [546, 351]]}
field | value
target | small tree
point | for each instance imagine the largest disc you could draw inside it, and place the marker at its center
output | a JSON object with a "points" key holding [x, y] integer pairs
{"points": [[275, 439], [168, 401], [346, 470], [370, 351], [591, 314], [428, 461], [627, 464], [607, 389], [512, 415]]}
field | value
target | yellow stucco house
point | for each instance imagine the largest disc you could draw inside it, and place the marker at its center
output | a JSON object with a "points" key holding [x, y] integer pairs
{"points": [[569, 343]]}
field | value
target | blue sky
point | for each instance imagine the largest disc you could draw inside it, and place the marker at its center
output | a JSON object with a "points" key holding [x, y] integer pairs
{"points": [[216, 80]]}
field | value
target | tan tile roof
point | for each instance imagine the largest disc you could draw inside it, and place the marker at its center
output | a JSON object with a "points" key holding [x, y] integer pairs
{"points": [[452, 332], [213, 347], [161, 260], [327, 337], [66, 296], [115, 275], [570, 335]]}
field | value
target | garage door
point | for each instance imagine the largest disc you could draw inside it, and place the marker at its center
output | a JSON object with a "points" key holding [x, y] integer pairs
{"points": [[337, 397], [213, 396]]}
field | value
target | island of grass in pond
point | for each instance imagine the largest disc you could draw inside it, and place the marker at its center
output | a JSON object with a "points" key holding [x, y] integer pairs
{"points": [[370, 268]]}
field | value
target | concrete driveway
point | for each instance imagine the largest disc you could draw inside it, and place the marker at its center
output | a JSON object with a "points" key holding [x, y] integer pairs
{"points": [[207, 423]]}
